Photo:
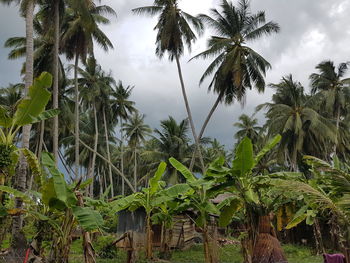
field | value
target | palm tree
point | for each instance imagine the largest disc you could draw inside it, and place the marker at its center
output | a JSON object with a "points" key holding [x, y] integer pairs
{"points": [[137, 131], [27, 9], [236, 66], [95, 87], [80, 30], [171, 141], [248, 127], [303, 130], [123, 108], [174, 30], [334, 91]]}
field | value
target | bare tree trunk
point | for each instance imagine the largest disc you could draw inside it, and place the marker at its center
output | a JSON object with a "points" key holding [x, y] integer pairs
{"points": [[55, 79], [149, 239], [21, 175], [108, 153], [211, 112], [76, 114], [89, 252], [210, 253], [189, 114], [122, 154], [92, 170], [135, 170], [337, 131], [318, 238]]}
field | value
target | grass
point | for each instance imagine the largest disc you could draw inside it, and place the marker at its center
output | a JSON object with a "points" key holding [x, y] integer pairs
{"points": [[228, 254]]}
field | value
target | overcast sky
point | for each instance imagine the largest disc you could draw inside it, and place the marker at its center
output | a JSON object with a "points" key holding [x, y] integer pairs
{"points": [[311, 31]]}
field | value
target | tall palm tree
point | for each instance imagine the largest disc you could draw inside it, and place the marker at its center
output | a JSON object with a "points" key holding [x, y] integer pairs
{"points": [[248, 127], [27, 9], [95, 86], [80, 30], [173, 31], [137, 131], [123, 108], [236, 66], [303, 130], [334, 90]]}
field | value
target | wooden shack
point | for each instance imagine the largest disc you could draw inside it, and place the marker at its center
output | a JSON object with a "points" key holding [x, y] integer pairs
{"points": [[182, 234]]}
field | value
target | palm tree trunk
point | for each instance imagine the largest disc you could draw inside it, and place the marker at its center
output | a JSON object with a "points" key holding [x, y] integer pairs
{"points": [[76, 113], [108, 152], [21, 175], [92, 170], [55, 80], [135, 170], [337, 131], [189, 114], [211, 112], [122, 154]]}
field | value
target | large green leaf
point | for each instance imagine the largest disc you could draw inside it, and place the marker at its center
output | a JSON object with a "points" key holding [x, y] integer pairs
{"points": [[228, 212], [182, 169], [299, 217], [88, 219], [15, 193], [177, 190], [268, 147], [46, 115], [126, 202], [63, 192], [154, 181], [244, 160], [32, 106], [5, 120]]}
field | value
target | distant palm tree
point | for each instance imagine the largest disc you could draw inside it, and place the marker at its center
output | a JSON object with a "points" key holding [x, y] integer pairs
{"points": [[10, 96], [303, 130], [236, 66], [95, 86], [123, 108], [334, 90], [80, 30], [248, 127], [136, 131], [173, 31], [171, 140]]}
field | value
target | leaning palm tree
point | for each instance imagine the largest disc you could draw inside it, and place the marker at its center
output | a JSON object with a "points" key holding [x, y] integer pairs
{"points": [[236, 66], [136, 131], [95, 86], [27, 10], [80, 31], [123, 108], [303, 129], [334, 90], [173, 31], [247, 127]]}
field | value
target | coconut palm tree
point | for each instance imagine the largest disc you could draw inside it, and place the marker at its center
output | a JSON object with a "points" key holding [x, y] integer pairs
{"points": [[27, 10], [236, 67], [248, 127], [334, 91], [303, 130], [173, 31], [171, 140], [136, 131], [95, 86], [80, 31], [123, 108]]}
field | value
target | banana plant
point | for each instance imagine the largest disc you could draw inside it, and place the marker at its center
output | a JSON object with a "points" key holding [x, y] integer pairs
{"points": [[152, 199], [247, 188], [29, 110], [199, 199]]}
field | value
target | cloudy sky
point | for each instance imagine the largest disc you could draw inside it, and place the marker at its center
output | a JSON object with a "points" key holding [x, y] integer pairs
{"points": [[311, 31]]}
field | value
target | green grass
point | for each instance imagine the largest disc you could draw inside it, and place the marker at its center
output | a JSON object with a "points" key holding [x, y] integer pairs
{"points": [[228, 254]]}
